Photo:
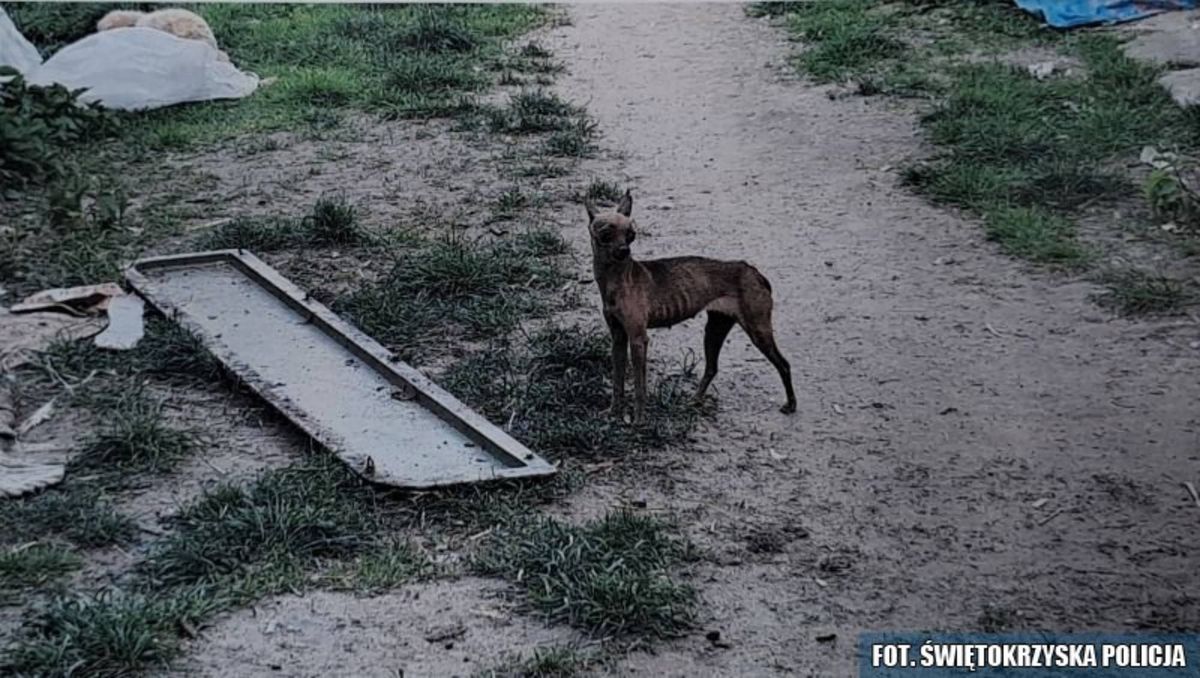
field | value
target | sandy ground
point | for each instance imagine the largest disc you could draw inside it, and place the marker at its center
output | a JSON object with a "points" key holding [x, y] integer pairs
{"points": [[436, 629], [977, 446]]}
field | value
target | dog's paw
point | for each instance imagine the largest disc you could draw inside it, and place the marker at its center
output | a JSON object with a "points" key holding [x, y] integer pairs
{"points": [[788, 408]]}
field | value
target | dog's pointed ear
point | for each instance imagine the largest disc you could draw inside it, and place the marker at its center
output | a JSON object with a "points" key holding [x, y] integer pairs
{"points": [[591, 210], [626, 205]]}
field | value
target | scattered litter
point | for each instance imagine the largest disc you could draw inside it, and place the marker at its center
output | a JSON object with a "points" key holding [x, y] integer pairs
{"points": [[1192, 491], [1152, 157], [992, 330], [776, 456], [36, 418], [1040, 503], [1050, 517], [826, 637], [126, 325], [948, 410], [1072, 13], [19, 476], [1042, 70], [83, 300], [384, 419]]}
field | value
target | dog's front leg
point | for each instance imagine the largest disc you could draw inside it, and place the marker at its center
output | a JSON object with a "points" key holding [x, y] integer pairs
{"points": [[637, 346], [620, 355]]}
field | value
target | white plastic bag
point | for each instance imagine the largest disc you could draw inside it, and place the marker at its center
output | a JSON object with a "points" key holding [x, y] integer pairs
{"points": [[15, 50], [139, 68], [129, 68]]}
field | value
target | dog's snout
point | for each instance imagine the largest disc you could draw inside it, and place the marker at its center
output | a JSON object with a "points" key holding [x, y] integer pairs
{"points": [[622, 251]]}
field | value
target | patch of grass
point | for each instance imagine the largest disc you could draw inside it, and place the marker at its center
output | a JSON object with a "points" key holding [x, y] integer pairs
{"points": [[574, 141], [38, 128], [76, 231], [510, 203], [1171, 198], [289, 516], [1133, 292], [612, 576], [431, 75], [531, 59], [257, 234], [166, 351], [844, 37], [1025, 153], [331, 221], [81, 515], [135, 438], [555, 393], [434, 30], [533, 111], [35, 565], [1035, 234], [552, 662], [400, 61], [602, 191], [384, 567], [109, 634], [454, 285]]}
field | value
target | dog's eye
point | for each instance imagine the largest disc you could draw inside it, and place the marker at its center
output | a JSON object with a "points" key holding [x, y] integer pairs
{"points": [[606, 236], [629, 237]]}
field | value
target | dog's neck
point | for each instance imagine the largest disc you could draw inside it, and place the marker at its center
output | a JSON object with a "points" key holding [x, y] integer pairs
{"points": [[608, 271]]}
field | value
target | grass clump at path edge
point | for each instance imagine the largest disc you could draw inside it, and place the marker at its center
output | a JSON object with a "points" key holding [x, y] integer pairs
{"points": [[612, 576]]}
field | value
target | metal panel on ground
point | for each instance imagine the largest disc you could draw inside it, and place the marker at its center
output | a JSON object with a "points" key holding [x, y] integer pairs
{"points": [[383, 418]]}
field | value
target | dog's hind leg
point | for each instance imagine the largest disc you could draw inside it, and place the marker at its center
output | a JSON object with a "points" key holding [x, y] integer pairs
{"points": [[715, 332], [763, 338]]}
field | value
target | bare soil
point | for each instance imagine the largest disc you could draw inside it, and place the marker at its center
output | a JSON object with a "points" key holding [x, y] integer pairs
{"points": [[946, 389], [978, 445]]}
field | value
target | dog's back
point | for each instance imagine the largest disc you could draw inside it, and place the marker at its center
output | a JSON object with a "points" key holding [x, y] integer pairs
{"points": [[678, 288]]}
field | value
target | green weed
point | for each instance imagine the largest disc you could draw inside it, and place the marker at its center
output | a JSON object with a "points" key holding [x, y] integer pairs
{"points": [[610, 576]]}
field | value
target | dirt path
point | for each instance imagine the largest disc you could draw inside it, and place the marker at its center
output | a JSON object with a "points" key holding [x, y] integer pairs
{"points": [[977, 446]]}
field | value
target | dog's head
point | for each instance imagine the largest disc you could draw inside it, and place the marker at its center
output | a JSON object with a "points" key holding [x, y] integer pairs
{"points": [[612, 232]]}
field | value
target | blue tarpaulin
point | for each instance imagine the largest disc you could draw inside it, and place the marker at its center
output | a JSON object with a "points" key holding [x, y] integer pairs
{"points": [[1069, 13]]}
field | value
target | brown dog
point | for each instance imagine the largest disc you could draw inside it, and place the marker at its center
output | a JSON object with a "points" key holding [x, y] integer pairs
{"points": [[662, 292]]}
